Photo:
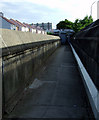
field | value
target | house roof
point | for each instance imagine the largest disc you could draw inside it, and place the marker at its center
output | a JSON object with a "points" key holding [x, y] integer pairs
{"points": [[33, 26], [14, 21], [20, 23], [39, 28], [29, 26], [7, 20]]}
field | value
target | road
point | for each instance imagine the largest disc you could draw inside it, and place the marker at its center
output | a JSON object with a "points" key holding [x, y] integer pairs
{"points": [[56, 92]]}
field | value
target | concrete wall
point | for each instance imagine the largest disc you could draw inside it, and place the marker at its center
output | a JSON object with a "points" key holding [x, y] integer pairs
{"points": [[91, 90], [85, 47], [86, 44], [23, 54]]}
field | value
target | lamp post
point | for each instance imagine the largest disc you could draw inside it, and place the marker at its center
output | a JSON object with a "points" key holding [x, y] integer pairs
{"points": [[97, 9], [91, 8]]}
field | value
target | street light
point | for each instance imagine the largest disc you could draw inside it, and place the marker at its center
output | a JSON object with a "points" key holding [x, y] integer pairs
{"points": [[97, 9], [91, 7]]}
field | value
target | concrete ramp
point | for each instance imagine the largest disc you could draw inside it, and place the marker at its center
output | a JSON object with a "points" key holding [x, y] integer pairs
{"points": [[57, 91]]}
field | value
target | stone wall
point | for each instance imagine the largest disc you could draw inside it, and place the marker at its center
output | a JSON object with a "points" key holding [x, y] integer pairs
{"points": [[23, 54]]}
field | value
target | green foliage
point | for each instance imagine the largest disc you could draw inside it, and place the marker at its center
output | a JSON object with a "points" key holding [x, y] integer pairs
{"points": [[64, 24], [77, 25], [61, 25], [49, 33]]}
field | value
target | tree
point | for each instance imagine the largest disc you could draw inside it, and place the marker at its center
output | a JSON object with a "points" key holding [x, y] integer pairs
{"points": [[64, 24], [77, 25], [69, 24], [86, 21], [61, 25]]}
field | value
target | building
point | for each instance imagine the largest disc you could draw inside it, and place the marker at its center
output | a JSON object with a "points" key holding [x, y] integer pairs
{"points": [[42, 31], [6, 23], [24, 28], [18, 27], [33, 29], [1, 14], [45, 26], [28, 26], [38, 30]]}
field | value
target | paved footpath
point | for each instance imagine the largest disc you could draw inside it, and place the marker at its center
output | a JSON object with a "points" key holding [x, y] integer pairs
{"points": [[57, 91]]}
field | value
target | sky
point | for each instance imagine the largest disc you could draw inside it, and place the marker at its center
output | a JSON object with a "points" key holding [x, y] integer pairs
{"points": [[54, 11]]}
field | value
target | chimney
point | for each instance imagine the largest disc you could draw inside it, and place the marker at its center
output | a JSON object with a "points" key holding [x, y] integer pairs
{"points": [[1, 14]]}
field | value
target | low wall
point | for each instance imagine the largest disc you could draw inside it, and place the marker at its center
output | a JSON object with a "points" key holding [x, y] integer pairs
{"points": [[23, 54]]}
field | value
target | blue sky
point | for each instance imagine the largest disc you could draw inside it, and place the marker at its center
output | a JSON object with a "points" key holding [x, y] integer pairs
{"points": [[33, 11]]}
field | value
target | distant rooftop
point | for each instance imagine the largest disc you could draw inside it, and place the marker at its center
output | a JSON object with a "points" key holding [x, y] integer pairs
{"points": [[1, 14]]}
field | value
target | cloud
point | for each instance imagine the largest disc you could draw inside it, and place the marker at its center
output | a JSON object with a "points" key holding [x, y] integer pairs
{"points": [[46, 11], [2, 5]]}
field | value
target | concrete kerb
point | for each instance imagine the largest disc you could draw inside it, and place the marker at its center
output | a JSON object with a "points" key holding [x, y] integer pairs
{"points": [[92, 92]]}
